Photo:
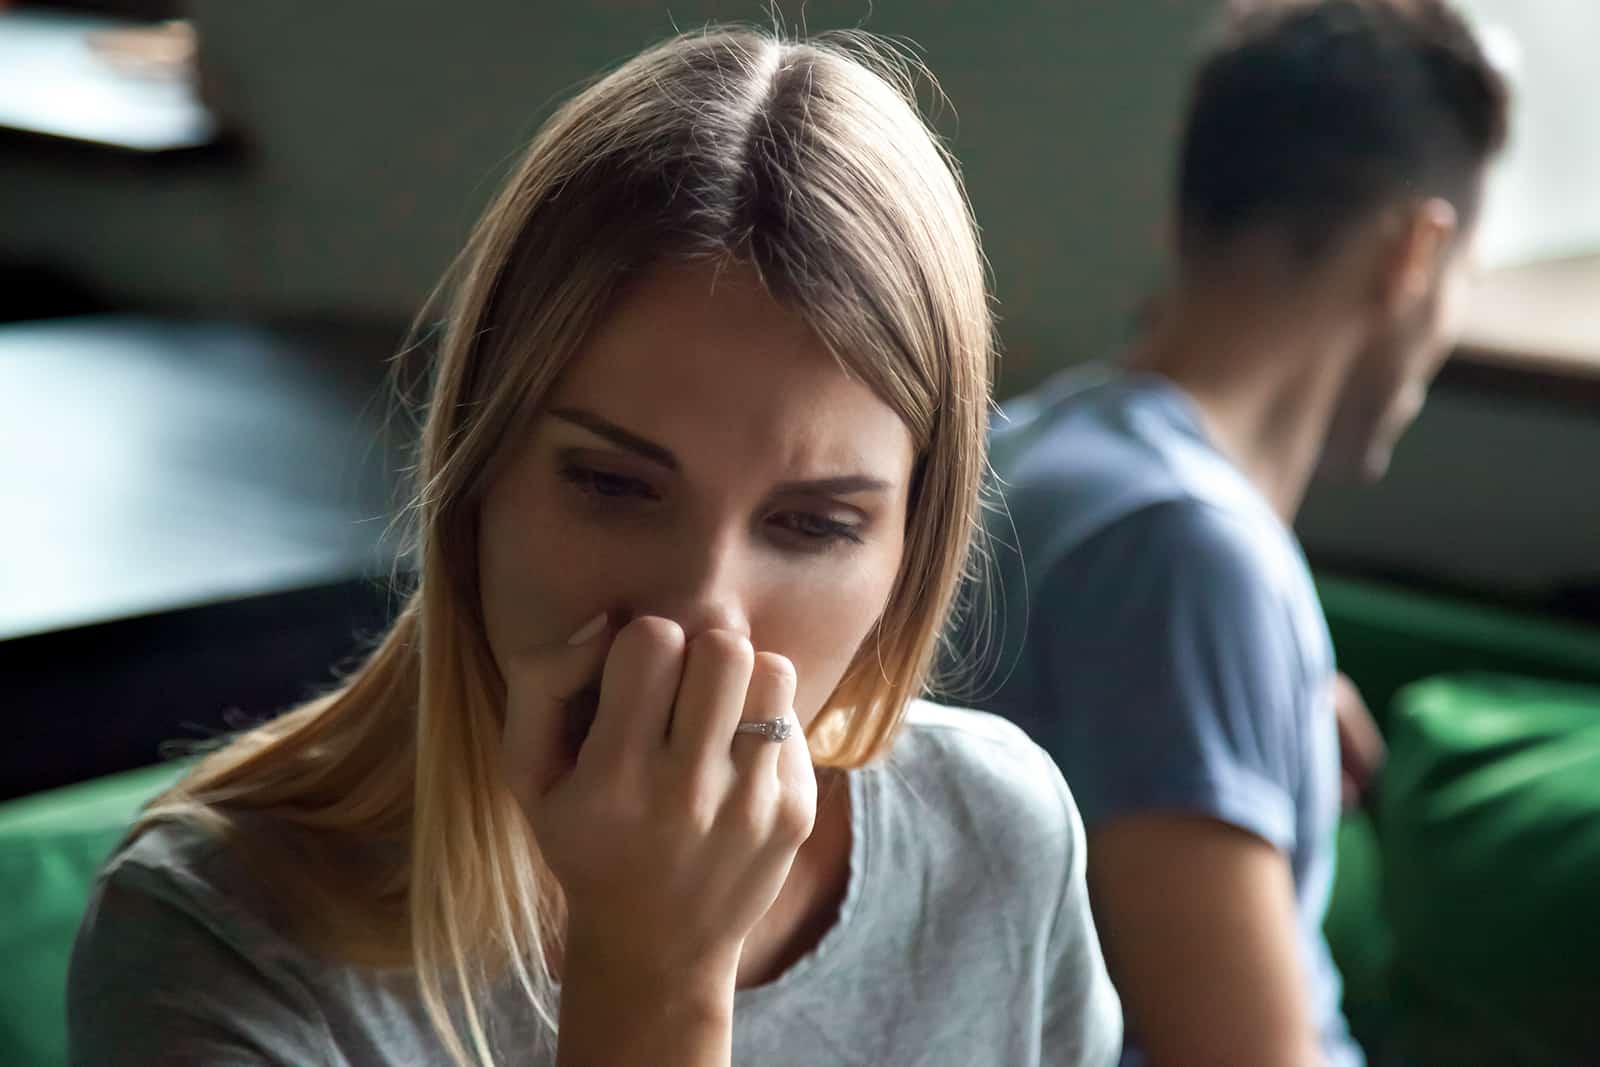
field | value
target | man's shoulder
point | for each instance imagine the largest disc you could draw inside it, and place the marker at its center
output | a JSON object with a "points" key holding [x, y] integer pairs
{"points": [[1200, 539], [1239, 558], [1189, 577], [1085, 452], [1079, 426], [1152, 560]]}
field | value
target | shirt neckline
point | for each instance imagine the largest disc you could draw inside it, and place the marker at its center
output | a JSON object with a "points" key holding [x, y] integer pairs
{"points": [[836, 942]]}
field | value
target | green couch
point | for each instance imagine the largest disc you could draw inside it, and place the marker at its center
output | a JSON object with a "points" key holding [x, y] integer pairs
{"points": [[51, 844], [1461, 917], [1415, 996]]}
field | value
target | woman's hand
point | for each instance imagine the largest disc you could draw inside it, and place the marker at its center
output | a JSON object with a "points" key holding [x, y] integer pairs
{"points": [[670, 835]]}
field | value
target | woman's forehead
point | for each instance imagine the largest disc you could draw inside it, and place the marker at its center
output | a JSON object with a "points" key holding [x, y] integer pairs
{"points": [[705, 361]]}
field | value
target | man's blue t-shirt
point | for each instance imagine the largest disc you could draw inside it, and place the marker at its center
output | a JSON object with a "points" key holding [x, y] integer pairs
{"points": [[1154, 626]]}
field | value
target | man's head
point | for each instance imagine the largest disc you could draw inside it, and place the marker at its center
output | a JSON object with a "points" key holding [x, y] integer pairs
{"points": [[1351, 136]]}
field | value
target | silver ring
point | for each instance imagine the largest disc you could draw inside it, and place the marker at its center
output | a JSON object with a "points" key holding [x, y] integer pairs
{"points": [[774, 730]]}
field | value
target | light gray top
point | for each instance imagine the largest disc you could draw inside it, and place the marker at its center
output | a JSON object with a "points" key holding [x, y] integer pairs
{"points": [[964, 938]]}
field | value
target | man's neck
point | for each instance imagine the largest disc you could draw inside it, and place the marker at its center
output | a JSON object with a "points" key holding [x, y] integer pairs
{"points": [[1265, 366]]}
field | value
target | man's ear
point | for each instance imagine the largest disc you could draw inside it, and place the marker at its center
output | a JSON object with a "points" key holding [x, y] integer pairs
{"points": [[1415, 254]]}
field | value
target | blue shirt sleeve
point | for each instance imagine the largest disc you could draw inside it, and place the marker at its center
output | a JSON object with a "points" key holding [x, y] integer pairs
{"points": [[1169, 671]]}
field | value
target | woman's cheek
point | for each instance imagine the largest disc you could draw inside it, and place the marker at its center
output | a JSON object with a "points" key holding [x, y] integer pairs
{"points": [[534, 572], [824, 639]]}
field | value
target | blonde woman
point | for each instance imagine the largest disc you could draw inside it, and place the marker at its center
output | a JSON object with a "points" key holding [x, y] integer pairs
{"points": [[638, 776]]}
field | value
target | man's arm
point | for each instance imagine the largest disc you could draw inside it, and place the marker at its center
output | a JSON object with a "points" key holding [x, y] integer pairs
{"points": [[1362, 751], [1181, 708], [1197, 919]]}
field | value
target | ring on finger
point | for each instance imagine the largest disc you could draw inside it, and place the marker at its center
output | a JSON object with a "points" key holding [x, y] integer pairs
{"points": [[776, 730]]}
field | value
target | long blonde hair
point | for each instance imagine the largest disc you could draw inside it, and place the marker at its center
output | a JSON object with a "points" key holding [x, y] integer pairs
{"points": [[807, 161]]}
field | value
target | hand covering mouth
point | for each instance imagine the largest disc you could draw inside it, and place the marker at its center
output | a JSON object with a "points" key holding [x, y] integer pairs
{"points": [[578, 713]]}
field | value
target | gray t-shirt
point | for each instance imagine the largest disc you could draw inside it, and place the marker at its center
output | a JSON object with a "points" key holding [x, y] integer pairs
{"points": [[964, 938], [1160, 635]]}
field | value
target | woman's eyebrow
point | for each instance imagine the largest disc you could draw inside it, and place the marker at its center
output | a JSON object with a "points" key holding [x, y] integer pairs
{"points": [[625, 439], [661, 455]]}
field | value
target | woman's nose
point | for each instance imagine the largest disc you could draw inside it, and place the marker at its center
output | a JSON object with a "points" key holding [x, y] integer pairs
{"points": [[700, 588]]}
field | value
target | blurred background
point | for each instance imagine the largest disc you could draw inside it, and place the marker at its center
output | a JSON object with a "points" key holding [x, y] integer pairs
{"points": [[218, 218]]}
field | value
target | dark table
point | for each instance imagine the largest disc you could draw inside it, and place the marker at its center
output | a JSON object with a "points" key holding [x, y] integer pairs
{"points": [[193, 521]]}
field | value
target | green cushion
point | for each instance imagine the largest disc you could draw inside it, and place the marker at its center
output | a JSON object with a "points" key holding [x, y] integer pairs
{"points": [[1388, 636], [51, 845], [1490, 831]]}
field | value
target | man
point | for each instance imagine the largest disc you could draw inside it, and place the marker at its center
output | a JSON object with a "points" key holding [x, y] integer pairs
{"points": [[1158, 630]]}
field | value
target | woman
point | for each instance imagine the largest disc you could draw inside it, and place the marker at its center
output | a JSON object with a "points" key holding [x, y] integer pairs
{"points": [[638, 776]]}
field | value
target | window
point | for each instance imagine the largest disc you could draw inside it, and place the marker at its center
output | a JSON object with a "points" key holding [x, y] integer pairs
{"points": [[1544, 197]]}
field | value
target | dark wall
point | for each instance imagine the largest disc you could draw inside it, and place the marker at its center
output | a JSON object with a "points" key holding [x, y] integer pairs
{"points": [[375, 132]]}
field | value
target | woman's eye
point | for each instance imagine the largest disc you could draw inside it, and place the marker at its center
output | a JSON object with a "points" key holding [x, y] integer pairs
{"points": [[819, 530], [601, 483]]}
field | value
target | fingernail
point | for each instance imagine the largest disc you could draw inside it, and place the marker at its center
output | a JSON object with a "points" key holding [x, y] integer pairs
{"points": [[590, 631]]}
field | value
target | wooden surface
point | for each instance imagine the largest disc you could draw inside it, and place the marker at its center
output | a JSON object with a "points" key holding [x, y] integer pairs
{"points": [[1542, 319], [191, 513]]}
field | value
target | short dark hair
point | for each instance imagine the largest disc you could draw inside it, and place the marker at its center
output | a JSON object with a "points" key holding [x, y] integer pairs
{"points": [[1311, 115]]}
